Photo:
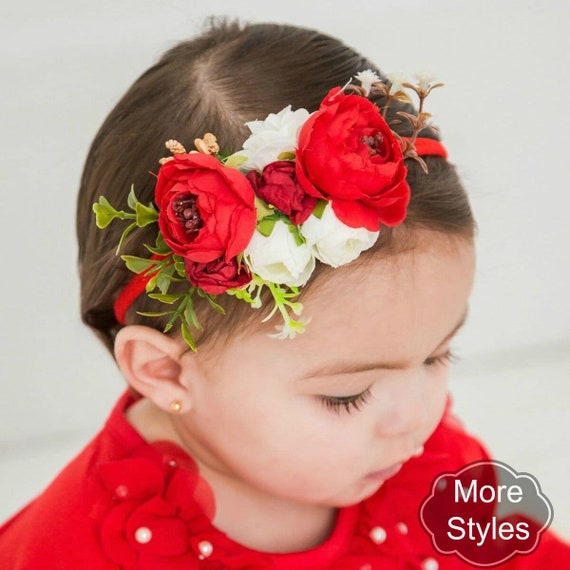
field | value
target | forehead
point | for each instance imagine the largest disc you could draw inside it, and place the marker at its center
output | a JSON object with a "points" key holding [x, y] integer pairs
{"points": [[397, 306]]}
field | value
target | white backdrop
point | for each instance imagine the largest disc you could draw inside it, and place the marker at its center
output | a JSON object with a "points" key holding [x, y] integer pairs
{"points": [[504, 119]]}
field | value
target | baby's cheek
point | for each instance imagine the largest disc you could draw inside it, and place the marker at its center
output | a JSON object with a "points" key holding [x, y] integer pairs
{"points": [[437, 395]]}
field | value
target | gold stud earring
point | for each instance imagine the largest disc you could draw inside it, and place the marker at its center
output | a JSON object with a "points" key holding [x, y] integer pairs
{"points": [[176, 406]]}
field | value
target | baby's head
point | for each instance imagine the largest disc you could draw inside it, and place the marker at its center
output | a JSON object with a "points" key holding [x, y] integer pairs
{"points": [[378, 340], [216, 83]]}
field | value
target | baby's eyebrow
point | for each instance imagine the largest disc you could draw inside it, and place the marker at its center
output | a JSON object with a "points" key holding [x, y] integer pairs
{"points": [[351, 368], [461, 322]]}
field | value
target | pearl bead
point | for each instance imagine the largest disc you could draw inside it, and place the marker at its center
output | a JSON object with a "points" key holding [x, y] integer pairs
{"points": [[172, 463], [121, 492], [143, 535], [366, 567], [205, 547], [402, 527], [430, 564], [378, 535]]}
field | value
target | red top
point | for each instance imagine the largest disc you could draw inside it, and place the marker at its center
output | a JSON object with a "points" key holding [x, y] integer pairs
{"points": [[123, 503]]}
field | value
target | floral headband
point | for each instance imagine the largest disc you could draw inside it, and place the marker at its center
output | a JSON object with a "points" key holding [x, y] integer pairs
{"points": [[305, 187]]}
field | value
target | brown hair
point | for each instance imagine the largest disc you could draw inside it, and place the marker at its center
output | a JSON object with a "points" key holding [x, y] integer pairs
{"points": [[215, 83]]}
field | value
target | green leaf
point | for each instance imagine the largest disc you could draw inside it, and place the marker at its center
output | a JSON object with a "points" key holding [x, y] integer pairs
{"points": [[174, 317], [265, 226], [235, 161], [320, 209], [170, 299], [124, 235], [190, 315], [215, 305], [163, 283], [105, 213], [151, 314], [151, 285], [137, 264], [145, 215], [262, 209], [241, 294], [187, 336], [179, 266], [160, 247], [169, 268], [247, 293], [132, 199], [160, 243], [299, 239]]}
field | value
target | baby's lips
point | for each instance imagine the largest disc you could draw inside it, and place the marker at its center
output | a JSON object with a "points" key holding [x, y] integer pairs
{"points": [[485, 513]]}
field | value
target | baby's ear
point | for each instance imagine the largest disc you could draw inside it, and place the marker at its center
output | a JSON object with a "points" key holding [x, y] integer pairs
{"points": [[151, 363]]}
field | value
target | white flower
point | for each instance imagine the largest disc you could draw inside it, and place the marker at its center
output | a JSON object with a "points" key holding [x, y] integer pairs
{"points": [[367, 78], [270, 138], [397, 80], [424, 79], [278, 258], [333, 242], [290, 329]]}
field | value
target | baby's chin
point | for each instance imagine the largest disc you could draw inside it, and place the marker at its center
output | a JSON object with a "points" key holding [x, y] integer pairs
{"points": [[361, 491]]}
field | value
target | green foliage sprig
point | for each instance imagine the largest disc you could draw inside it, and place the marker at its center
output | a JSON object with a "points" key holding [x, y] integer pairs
{"points": [[165, 267], [284, 303]]}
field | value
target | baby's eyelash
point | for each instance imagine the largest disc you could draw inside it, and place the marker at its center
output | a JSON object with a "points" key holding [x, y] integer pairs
{"points": [[336, 403], [444, 358]]}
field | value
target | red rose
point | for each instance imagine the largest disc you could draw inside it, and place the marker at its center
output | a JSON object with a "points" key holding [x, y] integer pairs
{"points": [[278, 186], [206, 209], [347, 154], [217, 276]]}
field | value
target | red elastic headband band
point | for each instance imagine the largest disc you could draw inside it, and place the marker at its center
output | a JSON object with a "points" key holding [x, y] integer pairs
{"points": [[137, 285], [429, 147], [131, 291]]}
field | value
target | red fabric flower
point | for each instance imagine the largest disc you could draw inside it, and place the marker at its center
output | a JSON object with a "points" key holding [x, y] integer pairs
{"points": [[207, 210], [155, 513], [149, 504], [217, 276], [348, 154], [278, 186]]}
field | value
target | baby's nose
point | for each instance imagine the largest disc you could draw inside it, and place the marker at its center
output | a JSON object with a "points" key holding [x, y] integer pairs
{"points": [[405, 411]]}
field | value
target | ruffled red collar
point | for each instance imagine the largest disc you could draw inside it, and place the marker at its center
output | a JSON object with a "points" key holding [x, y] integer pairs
{"points": [[153, 512]]}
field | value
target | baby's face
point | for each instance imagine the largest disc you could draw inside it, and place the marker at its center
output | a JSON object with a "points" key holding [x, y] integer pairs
{"points": [[314, 419]]}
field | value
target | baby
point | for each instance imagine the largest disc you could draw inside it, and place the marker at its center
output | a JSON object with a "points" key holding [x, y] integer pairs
{"points": [[289, 281]]}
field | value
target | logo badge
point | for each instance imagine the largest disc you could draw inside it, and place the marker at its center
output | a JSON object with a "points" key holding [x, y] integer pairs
{"points": [[486, 513]]}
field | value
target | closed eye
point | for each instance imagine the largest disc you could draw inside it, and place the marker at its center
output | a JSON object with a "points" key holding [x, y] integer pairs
{"points": [[348, 403], [444, 358]]}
